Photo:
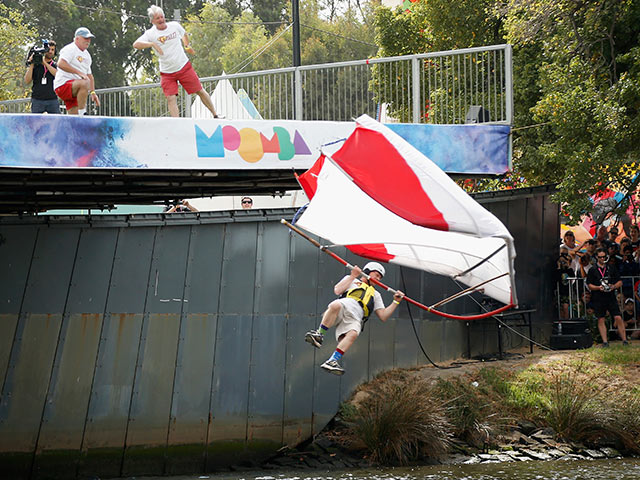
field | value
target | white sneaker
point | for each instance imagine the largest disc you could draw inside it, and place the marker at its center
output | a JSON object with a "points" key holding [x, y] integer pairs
{"points": [[332, 366]]}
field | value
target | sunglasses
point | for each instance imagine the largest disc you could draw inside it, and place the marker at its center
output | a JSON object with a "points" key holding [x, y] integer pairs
{"points": [[247, 202], [602, 256]]}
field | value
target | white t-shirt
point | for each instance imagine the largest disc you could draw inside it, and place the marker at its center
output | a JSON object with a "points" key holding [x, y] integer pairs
{"points": [[78, 59], [173, 57], [354, 307]]}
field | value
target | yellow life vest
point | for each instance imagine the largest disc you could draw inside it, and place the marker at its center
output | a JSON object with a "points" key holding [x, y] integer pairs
{"points": [[363, 294]]}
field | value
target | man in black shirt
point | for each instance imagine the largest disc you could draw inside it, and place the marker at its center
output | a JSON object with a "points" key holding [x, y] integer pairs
{"points": [[43, 98], [603, 280]]}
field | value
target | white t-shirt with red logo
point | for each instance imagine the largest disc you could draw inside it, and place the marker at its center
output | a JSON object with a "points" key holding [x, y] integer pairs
{"points": [[78, 59], [173, 57]]}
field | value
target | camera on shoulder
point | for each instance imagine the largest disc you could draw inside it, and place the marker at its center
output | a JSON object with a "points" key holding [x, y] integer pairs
{"points": [[37, 53]]}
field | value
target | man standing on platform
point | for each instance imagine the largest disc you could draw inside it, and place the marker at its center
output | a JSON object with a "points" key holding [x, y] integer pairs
{"points": [[74, 80], [167, 39]]}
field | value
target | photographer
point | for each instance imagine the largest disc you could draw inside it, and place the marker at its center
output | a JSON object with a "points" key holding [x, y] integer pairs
{"points": [[603, 280], [41, 70]]}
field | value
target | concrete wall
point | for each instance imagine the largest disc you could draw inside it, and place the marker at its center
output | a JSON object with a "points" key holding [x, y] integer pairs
{"points": [[157, 344]]}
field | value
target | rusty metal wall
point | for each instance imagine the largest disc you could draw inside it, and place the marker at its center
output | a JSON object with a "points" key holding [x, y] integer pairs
{"points": [[159, 344]]}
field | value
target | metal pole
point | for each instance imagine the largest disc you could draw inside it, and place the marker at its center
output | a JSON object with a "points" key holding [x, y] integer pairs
{"points": [[295, 13]]}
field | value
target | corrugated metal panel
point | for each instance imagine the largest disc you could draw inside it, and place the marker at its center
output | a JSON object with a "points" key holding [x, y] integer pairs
{"points": [[92, 271], [230, 389], [108, 414], [16, 253], [27, 380], [266, 385], [151, 400], [190, 402], [69, 392]]}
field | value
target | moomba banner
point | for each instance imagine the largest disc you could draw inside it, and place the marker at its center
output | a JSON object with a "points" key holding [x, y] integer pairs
{"points": [[60, 141]]}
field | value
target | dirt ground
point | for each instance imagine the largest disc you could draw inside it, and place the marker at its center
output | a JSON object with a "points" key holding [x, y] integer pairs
{"points": [[518, 359]]}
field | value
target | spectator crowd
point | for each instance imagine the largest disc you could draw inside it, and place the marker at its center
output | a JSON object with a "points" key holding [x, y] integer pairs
{"points": [[600, 277]]}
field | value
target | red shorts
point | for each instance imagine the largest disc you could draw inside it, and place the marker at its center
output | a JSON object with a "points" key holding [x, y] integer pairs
{"points": [[186, 76], [65, 93]]}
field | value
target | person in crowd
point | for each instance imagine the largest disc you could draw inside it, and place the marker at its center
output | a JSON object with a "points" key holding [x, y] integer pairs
{"points": [[569, 242], [603, 280], [625, 242], [358, 299], [601, 238], [613, 235], [629, 271], [170, 41], [42, 76], [563, 275], [182, 206], [74, 81], [589, 247], [246, 202], [634, 232], [614, 257], [629, 315]]}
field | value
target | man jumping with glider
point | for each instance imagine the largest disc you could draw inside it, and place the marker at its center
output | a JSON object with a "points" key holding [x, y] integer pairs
{"points": [[349, 313]]}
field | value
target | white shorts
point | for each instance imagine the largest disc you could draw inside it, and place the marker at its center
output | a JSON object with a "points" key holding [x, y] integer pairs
{"points": [[346, 321]]}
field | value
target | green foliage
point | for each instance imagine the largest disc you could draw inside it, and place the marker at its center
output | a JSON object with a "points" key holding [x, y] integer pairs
{"points": [[436, 25], [399, 421], [13, 32], [573, 407], [616, 356], [579, 67], [469, 409]]}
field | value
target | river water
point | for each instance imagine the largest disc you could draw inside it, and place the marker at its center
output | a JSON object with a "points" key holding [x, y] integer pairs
{"points": [[621, 469]]}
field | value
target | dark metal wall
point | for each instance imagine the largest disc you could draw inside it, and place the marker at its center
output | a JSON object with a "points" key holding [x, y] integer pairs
{"points": [[154, 344]]}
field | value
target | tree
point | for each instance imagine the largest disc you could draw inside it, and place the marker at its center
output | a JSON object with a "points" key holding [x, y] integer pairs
{"points": [[589, 97], [115, 23], [436, 25], [270, 11], [13, 34]]}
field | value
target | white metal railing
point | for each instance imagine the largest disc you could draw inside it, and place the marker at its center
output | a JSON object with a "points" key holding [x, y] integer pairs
{"points": [[438, 87]]}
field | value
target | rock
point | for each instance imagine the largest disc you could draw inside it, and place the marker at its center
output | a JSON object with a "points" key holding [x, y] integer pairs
{"points": [[324, 443], [312, 462], [472, 460], [594, 453], [456, 459], [556, 453], [610, 452], [526, 426], [487, 456], [527, 440], [504, 458], [536, 454]]}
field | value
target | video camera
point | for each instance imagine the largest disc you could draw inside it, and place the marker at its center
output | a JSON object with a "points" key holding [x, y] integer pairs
{"points": [[37, 53]]}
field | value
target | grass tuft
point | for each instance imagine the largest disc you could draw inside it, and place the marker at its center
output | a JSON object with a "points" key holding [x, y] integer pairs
{"points": [[399, 421]]}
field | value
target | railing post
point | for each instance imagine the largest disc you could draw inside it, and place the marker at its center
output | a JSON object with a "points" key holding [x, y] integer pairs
{"points": [[508, 80], [297, 94], [186, 103], [415, 90]]}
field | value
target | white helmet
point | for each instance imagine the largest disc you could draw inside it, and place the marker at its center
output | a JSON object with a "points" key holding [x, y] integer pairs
{"points": [[373, 267]]}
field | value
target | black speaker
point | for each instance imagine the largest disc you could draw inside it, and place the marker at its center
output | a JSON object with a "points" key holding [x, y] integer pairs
{"points": [[571, 342], [477, 114], [575, 326]]}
